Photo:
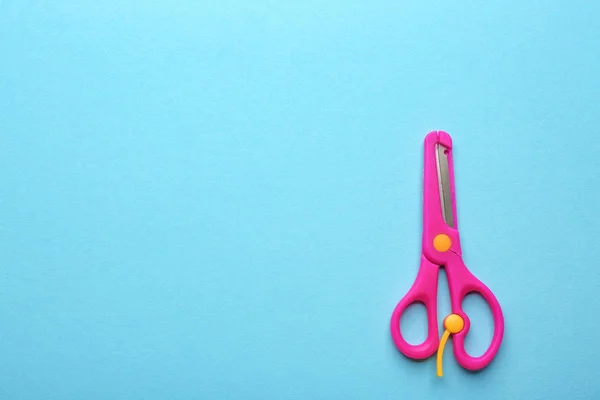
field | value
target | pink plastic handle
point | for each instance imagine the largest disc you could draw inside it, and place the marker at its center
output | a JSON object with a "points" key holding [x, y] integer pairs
{"points": [[423, 290], [461, 283]]}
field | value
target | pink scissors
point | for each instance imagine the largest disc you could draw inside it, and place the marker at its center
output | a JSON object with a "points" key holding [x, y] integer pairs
{"points": [[441, 247]]}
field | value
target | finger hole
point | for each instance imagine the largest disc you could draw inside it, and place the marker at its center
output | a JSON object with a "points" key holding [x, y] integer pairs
{"points": [[480, 334], [413, 323]]}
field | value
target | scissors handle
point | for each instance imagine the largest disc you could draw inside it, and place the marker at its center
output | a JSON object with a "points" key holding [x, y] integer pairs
{"points": [[462, 282], [423, 290]]}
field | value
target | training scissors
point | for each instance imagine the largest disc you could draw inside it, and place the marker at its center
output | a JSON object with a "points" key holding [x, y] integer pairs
{"points": [[441, 247]]}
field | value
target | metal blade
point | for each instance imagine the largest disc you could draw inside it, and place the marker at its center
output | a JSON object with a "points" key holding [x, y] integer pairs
{"points": [[441, 158]]}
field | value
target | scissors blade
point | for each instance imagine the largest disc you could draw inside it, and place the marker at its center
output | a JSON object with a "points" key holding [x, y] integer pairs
{"points": [[443, 175]]}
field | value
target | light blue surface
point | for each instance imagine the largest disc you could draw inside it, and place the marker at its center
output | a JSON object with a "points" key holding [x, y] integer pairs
{"points": [[223, 200]]}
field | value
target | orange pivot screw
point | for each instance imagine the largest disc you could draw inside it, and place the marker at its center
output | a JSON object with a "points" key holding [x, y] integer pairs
{"points": [[442, 242]]}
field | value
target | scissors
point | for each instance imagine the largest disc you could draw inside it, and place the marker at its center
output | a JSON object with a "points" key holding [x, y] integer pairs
{"points": [[441, 247]]}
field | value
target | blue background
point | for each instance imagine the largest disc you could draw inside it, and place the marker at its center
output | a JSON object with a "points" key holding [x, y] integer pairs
{"points": [[222, 200]]}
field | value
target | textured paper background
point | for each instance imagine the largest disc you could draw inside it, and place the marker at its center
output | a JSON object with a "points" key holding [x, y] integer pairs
{"points": [[222, 200]]}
